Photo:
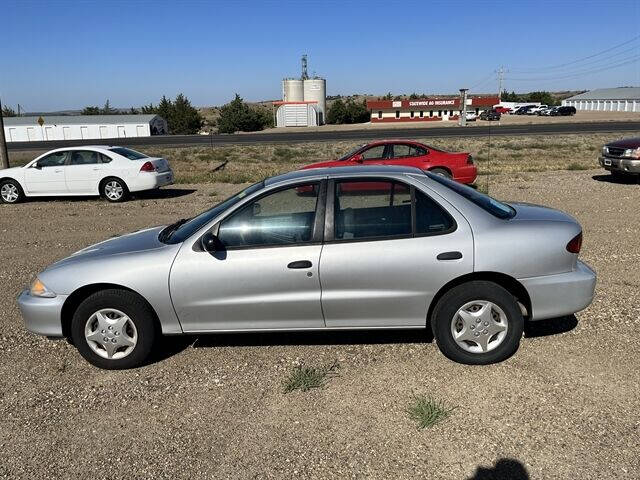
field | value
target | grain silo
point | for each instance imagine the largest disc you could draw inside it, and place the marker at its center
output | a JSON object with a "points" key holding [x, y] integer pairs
{"points": [[315, 91], [292, 90]]}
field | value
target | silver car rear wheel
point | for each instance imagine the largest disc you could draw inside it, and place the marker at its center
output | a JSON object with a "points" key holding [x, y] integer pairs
{"points": [[113, 190], [479, 326], [111, 334]]}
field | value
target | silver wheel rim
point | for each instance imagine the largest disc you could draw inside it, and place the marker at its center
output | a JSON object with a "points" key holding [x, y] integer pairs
{"points": [[479, 326], [9, 192], [113, 190], [111, 334]]}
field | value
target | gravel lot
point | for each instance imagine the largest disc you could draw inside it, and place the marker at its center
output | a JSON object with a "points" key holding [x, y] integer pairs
{"points": [[565, 406]]}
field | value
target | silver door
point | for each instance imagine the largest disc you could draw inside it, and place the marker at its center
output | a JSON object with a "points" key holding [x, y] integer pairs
{"points": [[386, 276], [265, 274]]}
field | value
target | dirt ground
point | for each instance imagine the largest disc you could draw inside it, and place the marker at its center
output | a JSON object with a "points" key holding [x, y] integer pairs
{"points": [[565, 406]]}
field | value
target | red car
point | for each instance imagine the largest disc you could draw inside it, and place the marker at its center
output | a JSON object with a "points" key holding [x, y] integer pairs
{"points": [[458, 166]]}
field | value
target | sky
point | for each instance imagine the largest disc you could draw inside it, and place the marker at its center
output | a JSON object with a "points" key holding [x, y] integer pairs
{"points": [[61, 55]]}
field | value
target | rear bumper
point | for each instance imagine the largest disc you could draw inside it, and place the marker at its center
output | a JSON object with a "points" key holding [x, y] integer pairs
{"points": [[562, 294], [623, 165], [42, 315], [465, 174], [151, 180]]}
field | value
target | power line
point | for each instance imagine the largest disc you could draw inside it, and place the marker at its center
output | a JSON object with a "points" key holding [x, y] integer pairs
{"points": [[579, 74], [562, 65]]}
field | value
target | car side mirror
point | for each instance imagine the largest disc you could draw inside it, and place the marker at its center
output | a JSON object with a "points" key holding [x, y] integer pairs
{"points": [[358, 158], [209, 242], [35, 165]]}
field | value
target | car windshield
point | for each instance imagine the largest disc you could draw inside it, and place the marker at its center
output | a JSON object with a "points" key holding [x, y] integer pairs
{"points": [[351, 153], [128, 153], [487, 203], [185, 228]]}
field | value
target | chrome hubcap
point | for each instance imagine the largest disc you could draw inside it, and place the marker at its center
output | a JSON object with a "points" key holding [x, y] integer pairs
{"points": [[111, 333], [479, 326], [113, 190], [9, 192]]}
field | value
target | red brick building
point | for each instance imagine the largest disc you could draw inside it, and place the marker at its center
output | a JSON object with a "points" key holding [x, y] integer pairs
{"points": [[425, 109]]}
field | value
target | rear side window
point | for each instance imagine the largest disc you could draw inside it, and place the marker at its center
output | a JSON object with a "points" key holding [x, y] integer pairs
{"points": [[128, 153], [430, 217], [487, 203], [104, 158], [371, 209], [83, 157]]}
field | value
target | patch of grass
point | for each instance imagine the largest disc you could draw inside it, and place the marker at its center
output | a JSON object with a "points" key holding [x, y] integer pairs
{"points": [[483, 188], [578, 166], [427, 411], [305, 378]]}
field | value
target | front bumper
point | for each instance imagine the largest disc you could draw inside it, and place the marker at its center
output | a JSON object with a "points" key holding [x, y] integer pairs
{"points": [[624, 165], [42, 315], [562, 294]]}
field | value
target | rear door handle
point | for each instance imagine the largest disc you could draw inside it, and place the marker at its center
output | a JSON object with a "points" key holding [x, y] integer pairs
{"points": [[449, 256], [300, 264]]}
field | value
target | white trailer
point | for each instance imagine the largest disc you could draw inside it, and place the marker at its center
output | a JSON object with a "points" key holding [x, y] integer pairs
{"points": [[82, 127]]}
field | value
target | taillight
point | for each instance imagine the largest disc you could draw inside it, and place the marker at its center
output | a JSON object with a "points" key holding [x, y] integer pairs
{"points": [[470, 160], [147, 167], [575, 244]]}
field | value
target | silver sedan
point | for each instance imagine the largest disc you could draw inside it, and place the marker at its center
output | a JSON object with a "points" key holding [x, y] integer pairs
{"points": [[326, 249]]}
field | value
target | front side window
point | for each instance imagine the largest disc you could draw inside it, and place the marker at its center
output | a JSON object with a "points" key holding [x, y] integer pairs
{"points": [[285, 217], [371, 209], [373, 153], [56, 159], [83, 157]]}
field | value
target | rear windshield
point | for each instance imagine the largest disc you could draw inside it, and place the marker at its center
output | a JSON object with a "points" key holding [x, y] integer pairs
{"points": [[128, 153], [487, 203]]}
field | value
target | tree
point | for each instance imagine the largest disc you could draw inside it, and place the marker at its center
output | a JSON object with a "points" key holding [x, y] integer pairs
{"points": [[237, 116], [7, 111], [184, 118], [107, 110], [388, 96], [414, 96], [133, 111], [337, 113], [91, 111], [147, 109], [357, 112]]}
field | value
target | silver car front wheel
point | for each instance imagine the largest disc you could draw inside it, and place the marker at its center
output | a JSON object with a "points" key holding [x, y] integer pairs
{"points": [[111, 333], [10, 192], [114, 329]]}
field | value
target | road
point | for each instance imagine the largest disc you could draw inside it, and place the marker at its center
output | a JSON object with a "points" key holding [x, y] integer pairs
{"points": [[334, 135]]}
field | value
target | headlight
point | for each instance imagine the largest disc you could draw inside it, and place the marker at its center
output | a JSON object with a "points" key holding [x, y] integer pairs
{"points": [[632, 153], [39, 289], [604, 150]]}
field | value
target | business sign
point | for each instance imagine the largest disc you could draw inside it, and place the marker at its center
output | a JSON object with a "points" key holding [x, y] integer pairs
{"points": [[397, 104], [428, 103]]}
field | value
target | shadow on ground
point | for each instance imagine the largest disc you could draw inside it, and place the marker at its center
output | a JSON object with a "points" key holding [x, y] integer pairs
{"points": [[504, 469], [157, 194], [621, 179], [172, 345], [551, 326], [161, 193]]}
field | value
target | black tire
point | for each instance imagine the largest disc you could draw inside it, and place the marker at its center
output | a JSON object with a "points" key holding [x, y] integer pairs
{"points": [[447, 307], [138, 311], [107, 187], [11, 191], [442, 172]]}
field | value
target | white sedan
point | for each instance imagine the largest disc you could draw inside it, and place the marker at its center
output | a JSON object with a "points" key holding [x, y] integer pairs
{"points": [[111, 172]]}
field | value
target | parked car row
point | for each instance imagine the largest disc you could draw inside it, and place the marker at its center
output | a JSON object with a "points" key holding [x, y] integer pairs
{"points": [[544, 110]]}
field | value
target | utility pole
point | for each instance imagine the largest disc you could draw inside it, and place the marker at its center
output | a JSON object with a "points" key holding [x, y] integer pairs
{"points": [[462, 121], [4, 156], [500, 73]]}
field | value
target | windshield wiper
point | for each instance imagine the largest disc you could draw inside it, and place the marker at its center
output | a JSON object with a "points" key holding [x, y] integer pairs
{"points": [[166, 232]]}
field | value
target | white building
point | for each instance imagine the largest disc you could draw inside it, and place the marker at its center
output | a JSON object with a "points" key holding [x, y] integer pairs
{"points": [[82, 127], [622, 99]]}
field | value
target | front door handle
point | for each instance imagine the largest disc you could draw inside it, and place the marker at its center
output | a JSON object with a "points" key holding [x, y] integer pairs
{"points": [[449, 256], [300, 264]]}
